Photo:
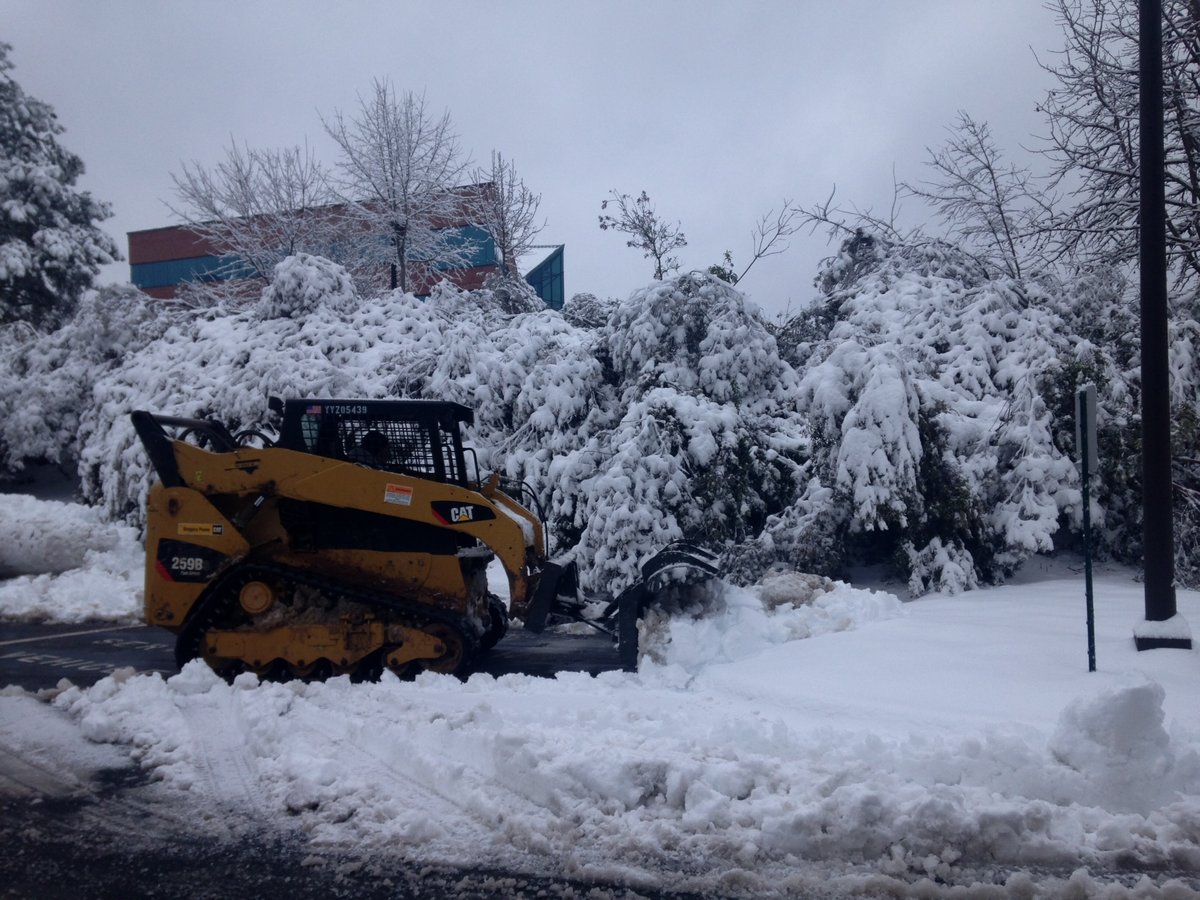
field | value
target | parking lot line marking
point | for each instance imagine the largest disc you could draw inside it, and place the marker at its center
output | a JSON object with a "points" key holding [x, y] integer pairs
{"points": [[67, 634]]}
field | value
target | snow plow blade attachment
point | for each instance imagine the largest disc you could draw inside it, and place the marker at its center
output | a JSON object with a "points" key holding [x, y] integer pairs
{"points": [[676, 565], [557, 595], [679, 562]]}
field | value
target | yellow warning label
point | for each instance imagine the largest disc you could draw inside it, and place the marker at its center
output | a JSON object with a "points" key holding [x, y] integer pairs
{"points": [[399, 494], [195, 529]]}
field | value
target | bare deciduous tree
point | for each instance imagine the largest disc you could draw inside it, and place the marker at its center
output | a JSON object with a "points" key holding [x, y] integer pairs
{"points": [[1092, 117], [398, 175], [507, 210], [647, 232], [993, 208], [257, 207]]}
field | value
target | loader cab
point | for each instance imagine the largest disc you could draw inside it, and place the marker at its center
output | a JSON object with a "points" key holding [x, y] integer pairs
{"points": [[412, 437]]}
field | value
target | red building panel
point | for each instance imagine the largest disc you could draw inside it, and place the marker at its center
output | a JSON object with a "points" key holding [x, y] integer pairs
{"points": [[177, 242], [161, 293], [470, 279], [162, 244]]}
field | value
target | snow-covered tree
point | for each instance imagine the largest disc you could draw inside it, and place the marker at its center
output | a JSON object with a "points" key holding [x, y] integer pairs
{"points": [[879, 454], [587, 310], [510, 293], [692, 359], [302, 283], [922, 376], [399, 176], [50, 246], [919, 414], [47, 380]]}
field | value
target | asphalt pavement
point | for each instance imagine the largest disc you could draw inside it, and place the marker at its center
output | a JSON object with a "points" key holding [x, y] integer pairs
{"points": [[120, 836], [36, 655]]}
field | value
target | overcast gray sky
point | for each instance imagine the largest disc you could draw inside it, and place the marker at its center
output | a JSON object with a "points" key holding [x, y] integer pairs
{"points": [[717, 109]]}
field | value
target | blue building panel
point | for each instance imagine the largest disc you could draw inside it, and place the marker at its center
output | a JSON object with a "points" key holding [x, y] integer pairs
{"points": [[478, 244], [176, 271], [546, 278]]}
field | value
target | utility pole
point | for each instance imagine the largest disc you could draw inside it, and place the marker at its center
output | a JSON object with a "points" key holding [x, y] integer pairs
{"points": [[1162, 627], [1085, 445]]}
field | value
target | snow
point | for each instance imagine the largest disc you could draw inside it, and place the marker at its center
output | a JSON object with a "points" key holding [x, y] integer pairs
{"points": [[73, 566], [798, 735], [804, 736], [1175, 628]]}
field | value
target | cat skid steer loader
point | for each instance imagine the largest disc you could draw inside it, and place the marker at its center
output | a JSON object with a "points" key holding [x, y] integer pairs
{"points": [[357, 541]]}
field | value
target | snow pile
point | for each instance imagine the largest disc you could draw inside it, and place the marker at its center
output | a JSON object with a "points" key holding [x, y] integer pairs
{"points": [[629, 777], [802, 732], [68, 760], [73, 565], [726, 623], [1122, 753]]}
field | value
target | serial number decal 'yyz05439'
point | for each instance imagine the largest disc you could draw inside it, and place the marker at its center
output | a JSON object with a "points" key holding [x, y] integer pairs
{"points": [[185, 562]]}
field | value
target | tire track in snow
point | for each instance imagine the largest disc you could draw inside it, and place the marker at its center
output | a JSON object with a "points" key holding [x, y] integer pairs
{"points": [[401, 789], [227, 775]]}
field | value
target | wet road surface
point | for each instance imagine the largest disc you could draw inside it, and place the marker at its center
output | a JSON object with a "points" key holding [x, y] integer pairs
{"points": [[119, 835], [36, 656]]}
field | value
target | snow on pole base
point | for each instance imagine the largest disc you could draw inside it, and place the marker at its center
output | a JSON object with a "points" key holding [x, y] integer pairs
{"points": [[1173, 633]]}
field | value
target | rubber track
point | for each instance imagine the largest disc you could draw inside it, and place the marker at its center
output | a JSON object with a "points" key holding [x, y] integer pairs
{"points": [[219, 600]]}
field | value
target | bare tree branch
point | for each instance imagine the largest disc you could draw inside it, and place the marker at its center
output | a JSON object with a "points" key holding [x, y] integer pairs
{"points": [[507, 210], [1092, 117], [994, 208], [772, 231], [647, 232], [844, 222]]}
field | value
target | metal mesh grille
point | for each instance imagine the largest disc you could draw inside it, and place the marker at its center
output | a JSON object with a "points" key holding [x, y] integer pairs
{"points": [[399, 445], [415, 442], [310, 427]]}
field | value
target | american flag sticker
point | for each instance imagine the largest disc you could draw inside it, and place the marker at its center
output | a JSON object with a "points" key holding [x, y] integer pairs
{"points": [[399, 494], [312, 411]]}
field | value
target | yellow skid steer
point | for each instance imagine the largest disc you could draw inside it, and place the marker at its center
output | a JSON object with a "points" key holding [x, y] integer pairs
{"points": [[357, 541]]}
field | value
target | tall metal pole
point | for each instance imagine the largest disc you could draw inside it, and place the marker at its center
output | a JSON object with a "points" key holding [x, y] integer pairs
{"points": [[1157, 529], [1085, 473]]}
